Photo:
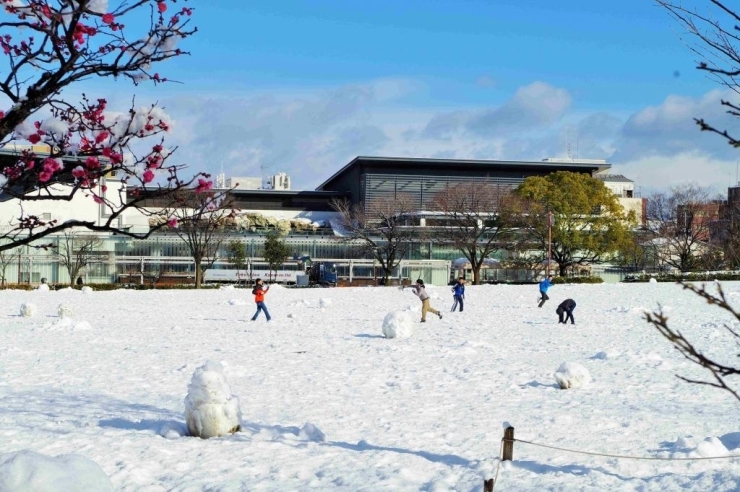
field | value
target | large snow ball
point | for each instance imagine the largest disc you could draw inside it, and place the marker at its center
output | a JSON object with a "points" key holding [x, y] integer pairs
{"points": [[653, 280], [28, 309], [65, 311], [87, 290], [324, 303], [572, 375], [27, 470], [210, 408], [398, 324], [43, 288]]}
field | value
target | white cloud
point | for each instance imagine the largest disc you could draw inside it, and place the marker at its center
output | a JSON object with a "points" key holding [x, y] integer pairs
{"points": [[662, 172], [311, 134]]}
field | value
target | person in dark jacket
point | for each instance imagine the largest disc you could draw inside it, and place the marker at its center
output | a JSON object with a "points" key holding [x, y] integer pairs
{"points": [[458, 293], [259, 292], [544, 285], [565, 311]]}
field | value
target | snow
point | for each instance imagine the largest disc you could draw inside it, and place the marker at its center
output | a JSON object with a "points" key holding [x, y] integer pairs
{"points": [[28, 471], [328, 403], [86, 289]]}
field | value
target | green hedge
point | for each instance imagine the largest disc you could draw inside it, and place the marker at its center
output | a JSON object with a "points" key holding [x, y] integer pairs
{"points": [[105, 287], [689, 276], [577, 280], [19, 287]]}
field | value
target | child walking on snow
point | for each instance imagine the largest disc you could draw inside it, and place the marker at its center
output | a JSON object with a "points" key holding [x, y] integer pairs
{"points": [[458, 292], [419, 290], [259, 292]]}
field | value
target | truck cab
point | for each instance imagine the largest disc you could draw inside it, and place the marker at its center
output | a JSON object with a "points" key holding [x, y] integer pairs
{"points": [[322, 273]]}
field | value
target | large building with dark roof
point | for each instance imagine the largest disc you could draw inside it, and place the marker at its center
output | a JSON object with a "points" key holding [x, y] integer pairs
{"points": [[368, 178]]}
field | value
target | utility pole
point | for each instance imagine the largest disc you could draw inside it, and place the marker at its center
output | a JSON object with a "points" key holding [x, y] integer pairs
{"points": [[550, 221]]}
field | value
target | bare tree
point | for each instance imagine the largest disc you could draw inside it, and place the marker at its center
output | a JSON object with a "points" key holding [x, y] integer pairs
{"points": [[713, 37], [7, 258], [384, 229], [48, 47], [679, 222], [76, 251], [720, 371], [200, 220], [474, 219], [717, 47]]}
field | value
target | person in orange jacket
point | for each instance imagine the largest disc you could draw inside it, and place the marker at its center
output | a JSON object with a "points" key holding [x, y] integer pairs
{"points": [[259, 292]]}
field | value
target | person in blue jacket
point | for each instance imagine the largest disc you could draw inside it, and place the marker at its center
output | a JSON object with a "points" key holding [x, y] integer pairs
{"points": [[544, 285], [458, 293]]}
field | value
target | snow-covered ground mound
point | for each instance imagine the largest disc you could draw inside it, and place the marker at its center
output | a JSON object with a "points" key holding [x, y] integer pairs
{"points": [[28, 471]]}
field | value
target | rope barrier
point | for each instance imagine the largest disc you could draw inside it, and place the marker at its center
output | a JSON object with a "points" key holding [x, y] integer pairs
{"points": [[621, 456], [495, 477]]}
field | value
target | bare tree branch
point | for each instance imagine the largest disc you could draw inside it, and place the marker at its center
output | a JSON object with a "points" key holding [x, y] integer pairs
{"points": [[720, 372]]}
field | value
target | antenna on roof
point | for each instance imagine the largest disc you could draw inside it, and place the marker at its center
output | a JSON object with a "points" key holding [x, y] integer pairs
{"points": [[221, 179], [568, 148]]}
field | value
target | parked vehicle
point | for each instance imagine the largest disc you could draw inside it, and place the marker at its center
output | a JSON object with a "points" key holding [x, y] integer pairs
{"points": [[287, 274], [322, 274]]}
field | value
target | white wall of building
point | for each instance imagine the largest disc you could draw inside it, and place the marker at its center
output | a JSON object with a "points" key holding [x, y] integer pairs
{"points": [[244, 183], [81, 206]]}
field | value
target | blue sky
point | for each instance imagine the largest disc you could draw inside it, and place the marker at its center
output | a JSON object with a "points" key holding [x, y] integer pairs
{"points": [[303, 87]]}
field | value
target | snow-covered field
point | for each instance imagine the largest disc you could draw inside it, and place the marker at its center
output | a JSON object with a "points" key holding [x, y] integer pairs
{"points": [[328, 403]]}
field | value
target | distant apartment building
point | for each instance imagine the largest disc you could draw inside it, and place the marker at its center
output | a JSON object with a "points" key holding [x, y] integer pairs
{"points": [[624, 189]]}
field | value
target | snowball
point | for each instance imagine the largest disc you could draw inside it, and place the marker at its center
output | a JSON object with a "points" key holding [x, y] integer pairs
{"points": [[43, 288], [398, 324], [237, 302], [712, 447], [325, 303], [572, 375], [172, 430], [86, 290], [653, 280], [28, 470], [65, 311], [28, 309], [310, 432], [210, 408]]}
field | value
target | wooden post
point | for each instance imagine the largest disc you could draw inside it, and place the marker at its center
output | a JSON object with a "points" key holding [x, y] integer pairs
{"points": [[508, 451], [488, 485]]}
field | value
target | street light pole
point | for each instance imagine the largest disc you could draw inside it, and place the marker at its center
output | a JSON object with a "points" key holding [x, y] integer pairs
{"points": [[549, 241]]}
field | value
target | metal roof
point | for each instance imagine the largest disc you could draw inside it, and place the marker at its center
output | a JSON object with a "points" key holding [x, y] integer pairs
{"points": [[616, 178], [594, 165]]}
